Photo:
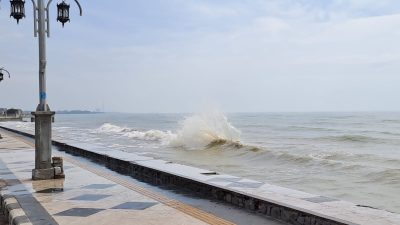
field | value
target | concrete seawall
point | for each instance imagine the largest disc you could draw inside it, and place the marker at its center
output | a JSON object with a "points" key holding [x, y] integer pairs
{"points": [[290, 206]]}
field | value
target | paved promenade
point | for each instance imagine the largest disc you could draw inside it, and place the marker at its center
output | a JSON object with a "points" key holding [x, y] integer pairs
{"points": [[88, 195]]}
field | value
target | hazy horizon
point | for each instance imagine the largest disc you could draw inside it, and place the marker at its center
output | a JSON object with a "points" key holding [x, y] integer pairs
{"points": [[218, 110]]}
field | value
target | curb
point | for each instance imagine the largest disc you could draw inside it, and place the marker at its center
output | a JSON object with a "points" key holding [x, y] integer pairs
{"points": [[12, 210]]}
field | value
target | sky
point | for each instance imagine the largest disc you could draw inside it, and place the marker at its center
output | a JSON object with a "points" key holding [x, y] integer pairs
{"points": [[187, 55]]}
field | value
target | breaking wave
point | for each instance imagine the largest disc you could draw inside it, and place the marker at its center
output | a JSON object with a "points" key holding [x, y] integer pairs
{"points": [[206, 130], [150, 135], [197, 131]]}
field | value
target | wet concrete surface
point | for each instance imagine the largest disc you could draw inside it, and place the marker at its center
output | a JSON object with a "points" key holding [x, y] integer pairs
{"points": [[235, 214]]}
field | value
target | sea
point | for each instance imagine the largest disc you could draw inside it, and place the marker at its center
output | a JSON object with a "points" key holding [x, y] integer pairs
{"points": [[353, 156]]}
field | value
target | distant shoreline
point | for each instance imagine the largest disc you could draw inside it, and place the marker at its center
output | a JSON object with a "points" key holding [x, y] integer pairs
{"points": [[77, 112]]}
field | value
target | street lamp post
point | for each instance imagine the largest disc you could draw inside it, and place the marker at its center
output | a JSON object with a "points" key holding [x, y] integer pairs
{"points": [[43, 115]]}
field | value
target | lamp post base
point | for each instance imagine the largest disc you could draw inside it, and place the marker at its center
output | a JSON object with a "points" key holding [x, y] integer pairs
{"points": [[43, 174], [43, 165]]}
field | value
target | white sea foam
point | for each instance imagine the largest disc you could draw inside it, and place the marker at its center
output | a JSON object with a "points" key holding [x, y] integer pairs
{"points": [[150, 135], [111, 128], [195, 131], [204, 129]]}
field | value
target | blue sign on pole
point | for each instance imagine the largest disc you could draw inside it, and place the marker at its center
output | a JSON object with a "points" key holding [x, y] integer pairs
{"points": [[42, 95]]}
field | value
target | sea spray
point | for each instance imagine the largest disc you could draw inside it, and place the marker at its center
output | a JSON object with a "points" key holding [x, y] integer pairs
{"points": [[197, 131], [205, 129]]}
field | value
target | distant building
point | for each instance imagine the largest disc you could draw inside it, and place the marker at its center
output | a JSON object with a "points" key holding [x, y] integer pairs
{"points": [[11, 114], [16, 113], [3, 111]]}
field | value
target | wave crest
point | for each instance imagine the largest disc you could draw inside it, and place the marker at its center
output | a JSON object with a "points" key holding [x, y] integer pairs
{"points": [[196, 132], [150, 135], [206, 130], [111, 128]]}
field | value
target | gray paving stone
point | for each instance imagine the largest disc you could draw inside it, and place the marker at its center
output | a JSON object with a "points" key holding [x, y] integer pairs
{"points": [[79, 212], [90, 197], [135, 205]]}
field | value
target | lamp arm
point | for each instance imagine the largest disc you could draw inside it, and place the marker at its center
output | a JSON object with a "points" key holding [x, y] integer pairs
{"points": [[80, 7], [48, 4], [35, 26], [48, 18], [2, 69], [48, 14], [76, 1]]}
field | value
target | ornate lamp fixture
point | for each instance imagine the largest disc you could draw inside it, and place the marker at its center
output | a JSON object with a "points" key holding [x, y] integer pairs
{"points": [[17, 9], [63, 12], [2, 75], [18, 12]]}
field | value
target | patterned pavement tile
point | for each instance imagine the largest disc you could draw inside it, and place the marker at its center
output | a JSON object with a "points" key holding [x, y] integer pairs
{"points": [[79, 212], [90, 197], [135, 205]]}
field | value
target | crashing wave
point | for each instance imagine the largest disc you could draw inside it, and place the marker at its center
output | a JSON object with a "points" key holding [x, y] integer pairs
{"points": [[197, 131], [206, 130]]}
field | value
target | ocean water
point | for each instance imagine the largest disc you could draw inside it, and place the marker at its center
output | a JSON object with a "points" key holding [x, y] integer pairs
{"points": [[350, 156]]}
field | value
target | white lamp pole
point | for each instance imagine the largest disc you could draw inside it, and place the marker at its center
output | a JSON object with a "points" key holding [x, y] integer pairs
{"points": [[43, 115]]}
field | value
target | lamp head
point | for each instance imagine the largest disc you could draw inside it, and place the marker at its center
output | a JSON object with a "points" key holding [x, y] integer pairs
{"points": [[63, 12], [17, 9]]}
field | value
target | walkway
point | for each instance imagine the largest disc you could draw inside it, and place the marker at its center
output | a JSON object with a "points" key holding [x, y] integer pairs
{"points": [[89, 194]]}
